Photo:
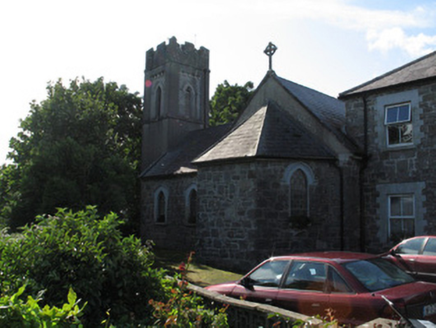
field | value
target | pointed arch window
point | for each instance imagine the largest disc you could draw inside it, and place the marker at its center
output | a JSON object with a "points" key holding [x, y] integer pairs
{"points": [[298, 194], [192, 207], [191, 211], [300, 178], [161, 206]]}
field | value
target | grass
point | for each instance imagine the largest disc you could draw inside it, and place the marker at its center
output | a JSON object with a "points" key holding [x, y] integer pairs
{"points": [[198, 274]]}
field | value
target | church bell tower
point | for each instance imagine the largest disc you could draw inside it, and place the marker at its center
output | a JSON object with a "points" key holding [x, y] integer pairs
{"points": [[176, 96]]}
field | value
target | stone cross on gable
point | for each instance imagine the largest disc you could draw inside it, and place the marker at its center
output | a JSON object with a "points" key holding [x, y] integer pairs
{"points": [[269, 51]]}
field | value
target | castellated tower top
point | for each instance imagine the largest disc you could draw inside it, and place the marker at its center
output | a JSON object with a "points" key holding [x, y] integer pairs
{"points": [[185, 54], [176, 96]]}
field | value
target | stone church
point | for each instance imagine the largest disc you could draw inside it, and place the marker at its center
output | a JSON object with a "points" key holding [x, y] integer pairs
{"points": [[297, 171]]}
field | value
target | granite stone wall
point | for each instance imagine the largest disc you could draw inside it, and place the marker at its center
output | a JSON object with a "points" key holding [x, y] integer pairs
{"points": [[406, 169], [176, 233], [244, 212]]}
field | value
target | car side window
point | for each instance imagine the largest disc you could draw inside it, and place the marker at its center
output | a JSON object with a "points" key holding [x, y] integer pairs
{"points": [[430, 247], [305, 275], [337, 284], [410, 247], [269, 274]]}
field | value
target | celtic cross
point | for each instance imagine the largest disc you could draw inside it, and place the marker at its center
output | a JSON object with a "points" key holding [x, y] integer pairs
{"points": [[269, 51]]}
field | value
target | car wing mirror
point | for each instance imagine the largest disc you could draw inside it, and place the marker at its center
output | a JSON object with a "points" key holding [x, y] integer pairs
{"points": [[394, 253], [247, 282]]}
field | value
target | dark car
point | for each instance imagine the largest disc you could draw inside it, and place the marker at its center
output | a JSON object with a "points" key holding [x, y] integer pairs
{"points": [[350, 284], [417, 256]]}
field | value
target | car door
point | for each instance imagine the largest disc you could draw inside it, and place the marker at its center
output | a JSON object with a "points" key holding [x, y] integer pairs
{"points": [[425, 263], [345, 304], [262, 284], [407, 253], [304, 288]]}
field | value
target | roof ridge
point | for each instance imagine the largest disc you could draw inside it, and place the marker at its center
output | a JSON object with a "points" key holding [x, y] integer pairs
{"points": [[393, 71], [305, 87]]}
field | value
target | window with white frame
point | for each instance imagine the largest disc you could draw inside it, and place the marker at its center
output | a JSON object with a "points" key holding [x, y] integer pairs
{"points": [[401, 216], [398, 122]]}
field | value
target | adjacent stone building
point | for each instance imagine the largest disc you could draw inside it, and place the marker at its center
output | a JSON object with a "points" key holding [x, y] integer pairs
{"points": [[297, 171], [393, 120]]}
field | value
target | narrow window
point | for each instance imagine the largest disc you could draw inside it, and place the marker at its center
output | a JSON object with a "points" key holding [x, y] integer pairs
{"points": [[298, 194], [158, 102], [192, 207], [398, 122], [161, 208], [401, 217], [189, 102]]}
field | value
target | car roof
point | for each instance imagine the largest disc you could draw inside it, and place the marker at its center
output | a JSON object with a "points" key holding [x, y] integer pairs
{"points": [[415, 237], [424, 236], [335, 256]]}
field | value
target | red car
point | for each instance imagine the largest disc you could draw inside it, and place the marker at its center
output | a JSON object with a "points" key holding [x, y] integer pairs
{"points": [[417, 256], [350, 284]]}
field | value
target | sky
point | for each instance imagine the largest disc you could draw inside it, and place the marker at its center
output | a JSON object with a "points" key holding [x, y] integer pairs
{"points": [[327, 45]]}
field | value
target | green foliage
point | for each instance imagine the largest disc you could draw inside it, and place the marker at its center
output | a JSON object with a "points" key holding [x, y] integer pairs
{"points": [[228, 102], [80, 146], [84, 251], [185, 309], [14, 312], [9, 195]]}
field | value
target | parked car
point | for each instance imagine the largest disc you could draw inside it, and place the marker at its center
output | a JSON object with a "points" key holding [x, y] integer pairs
{"points": [[417, 256], [350, 284]]}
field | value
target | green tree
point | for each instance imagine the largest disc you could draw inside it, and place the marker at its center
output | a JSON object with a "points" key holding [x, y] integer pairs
{"points": [[228, 102], [9, 194], [78, 147]]}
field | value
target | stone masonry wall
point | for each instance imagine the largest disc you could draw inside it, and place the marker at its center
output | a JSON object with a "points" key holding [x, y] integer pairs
{"points": [[396, 170], [244, 213], [176, 233]]}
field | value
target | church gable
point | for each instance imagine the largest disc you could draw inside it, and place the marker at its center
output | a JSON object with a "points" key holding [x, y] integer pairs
{"points": [[317, 112], [284, 137]]}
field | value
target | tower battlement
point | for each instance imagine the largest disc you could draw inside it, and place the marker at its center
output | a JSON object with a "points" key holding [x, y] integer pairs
{"points": [[184, 54]]}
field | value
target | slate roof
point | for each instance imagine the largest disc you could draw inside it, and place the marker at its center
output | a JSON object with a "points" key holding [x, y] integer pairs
{"points": [[329, 110], [420, 69], [179, 160], [270, 133]]}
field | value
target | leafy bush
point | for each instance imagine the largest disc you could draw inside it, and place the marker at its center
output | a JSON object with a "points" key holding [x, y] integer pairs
{"points": [[184, 308], [14, 312], [86, 252]]}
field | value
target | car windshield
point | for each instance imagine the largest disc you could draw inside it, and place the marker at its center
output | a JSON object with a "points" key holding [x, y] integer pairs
{"points": [[378, 274]]}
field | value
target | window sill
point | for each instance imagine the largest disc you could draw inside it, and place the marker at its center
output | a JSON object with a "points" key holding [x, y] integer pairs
{"points": [[400, 147]]}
